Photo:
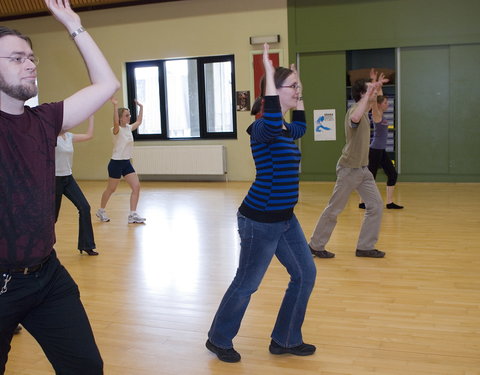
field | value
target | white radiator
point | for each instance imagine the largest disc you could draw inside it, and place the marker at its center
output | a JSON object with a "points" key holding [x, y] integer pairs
{"points": [[180, 160]]}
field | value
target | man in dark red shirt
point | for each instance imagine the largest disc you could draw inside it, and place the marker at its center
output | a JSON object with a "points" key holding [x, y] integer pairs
{"points": [[35, 289]]}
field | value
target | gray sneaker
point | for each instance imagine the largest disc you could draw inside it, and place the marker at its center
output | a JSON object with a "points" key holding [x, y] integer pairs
{"points": [[102, 215], [136, 219]]}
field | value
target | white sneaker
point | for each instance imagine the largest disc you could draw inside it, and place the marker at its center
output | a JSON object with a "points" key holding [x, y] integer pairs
{"points": [[102, 215], [135, 219]]}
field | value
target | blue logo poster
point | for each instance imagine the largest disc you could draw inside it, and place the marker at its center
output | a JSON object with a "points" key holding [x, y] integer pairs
{"points": [[324, 121]]}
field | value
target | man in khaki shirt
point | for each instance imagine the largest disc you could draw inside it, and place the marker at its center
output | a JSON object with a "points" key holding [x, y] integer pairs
{"points": [[353, 174]]}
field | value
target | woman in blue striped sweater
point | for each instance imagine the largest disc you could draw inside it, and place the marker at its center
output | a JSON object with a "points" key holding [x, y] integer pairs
{"points": [[266, 223]]}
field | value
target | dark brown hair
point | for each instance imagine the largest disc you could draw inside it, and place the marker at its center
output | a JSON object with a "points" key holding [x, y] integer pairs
{"points": [[281, 74], [5, 31], [359, 88]]}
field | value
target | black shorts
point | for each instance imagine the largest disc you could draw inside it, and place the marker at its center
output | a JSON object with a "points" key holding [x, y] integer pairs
{"points": [[119, 168]]}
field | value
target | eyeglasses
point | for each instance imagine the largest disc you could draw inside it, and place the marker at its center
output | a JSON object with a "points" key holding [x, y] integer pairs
{"points": [[293, 86], [21, 59]]}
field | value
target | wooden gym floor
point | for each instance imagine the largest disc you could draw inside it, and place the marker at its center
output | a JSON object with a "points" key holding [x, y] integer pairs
{"points": [[153, 291]]}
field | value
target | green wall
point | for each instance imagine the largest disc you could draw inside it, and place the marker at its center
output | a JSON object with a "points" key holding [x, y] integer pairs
{"points": [[424, 130], [464, 118], [328, 68], [331, 25], [440, 126], [438, 79]]}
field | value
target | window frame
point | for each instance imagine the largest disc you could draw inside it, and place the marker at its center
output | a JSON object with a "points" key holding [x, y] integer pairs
{"points": [[160, 64]]}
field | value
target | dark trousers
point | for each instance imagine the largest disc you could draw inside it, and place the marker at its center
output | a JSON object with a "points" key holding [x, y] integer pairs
{"points": [[379, 158], [66, 185], [47, 304]]}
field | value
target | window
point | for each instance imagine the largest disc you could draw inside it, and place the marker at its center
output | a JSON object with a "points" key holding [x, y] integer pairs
{"points": [[184, 98]]}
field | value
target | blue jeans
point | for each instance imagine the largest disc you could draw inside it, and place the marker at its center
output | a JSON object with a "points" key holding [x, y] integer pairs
{"points": [[259, 243], [47, 303], [66, 185]]}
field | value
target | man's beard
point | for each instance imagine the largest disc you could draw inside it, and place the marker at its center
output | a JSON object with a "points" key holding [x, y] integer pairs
{"points": [[18, 92]]}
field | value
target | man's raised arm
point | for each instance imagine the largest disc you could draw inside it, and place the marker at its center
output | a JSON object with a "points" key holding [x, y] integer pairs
{"points": [[79, 106]]}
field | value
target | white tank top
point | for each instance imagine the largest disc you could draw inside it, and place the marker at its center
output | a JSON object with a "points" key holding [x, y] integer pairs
{"points": [[123, 143], [64, 155]]}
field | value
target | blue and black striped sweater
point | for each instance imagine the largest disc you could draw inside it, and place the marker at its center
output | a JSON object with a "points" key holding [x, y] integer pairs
{"points": [[274, 193]]}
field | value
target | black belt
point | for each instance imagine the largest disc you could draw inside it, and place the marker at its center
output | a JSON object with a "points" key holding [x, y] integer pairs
{"points": [[25, 270]]}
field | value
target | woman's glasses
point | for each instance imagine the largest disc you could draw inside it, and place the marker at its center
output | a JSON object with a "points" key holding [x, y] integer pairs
{"points": [[294, 86]]}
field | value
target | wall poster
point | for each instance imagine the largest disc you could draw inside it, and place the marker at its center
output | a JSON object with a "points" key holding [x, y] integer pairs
{"points": [[324, 121]]}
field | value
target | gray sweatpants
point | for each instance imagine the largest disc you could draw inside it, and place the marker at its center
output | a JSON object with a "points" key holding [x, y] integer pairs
{"points": [[349, 179]]}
